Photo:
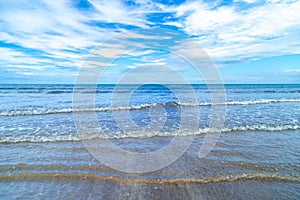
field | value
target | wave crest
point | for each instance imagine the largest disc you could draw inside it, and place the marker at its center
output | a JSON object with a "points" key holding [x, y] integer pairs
{"points": [[30, 138], [45, 111]]}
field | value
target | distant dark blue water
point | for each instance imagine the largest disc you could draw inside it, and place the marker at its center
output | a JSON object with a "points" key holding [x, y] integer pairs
{"points": [[256, 157]]}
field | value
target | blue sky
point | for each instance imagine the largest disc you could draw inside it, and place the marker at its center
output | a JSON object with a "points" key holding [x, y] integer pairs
{"points": [[250, 41]]}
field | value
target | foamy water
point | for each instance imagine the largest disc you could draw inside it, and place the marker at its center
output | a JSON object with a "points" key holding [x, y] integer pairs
{"points": [[45, 111]]}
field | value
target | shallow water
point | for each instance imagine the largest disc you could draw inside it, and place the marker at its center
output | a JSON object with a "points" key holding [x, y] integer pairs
{"points": [[242, 165]]}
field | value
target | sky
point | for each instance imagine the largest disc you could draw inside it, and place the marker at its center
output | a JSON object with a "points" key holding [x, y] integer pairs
{"points": [[248, 41]]}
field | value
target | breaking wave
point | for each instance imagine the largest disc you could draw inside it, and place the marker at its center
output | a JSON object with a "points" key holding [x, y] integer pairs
{"points": [[30, 138], [45, 111]]}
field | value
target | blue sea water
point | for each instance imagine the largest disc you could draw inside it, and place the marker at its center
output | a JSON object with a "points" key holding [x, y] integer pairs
{"points": [[37, 113], [258, 150]]}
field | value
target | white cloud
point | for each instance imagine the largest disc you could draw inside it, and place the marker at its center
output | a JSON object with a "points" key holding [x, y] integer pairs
{"points": [[246, 1], [141, 53], [28, 67], [229, 33], [198, 17], [209, 20], [111, 53], [173, 23], [25, 73], [292, 71], [10, 56], [115, 11]]}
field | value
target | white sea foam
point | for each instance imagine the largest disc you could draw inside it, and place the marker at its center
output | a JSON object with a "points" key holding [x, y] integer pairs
{"points": [[249, 102], [120, 135], [45, 111]]}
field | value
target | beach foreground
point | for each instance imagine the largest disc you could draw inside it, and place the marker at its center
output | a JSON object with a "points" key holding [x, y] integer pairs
{"points": [[241, 166]]}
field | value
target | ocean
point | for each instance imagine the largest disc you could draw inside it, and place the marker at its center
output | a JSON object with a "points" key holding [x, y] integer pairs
{"points": [[42, 155]]}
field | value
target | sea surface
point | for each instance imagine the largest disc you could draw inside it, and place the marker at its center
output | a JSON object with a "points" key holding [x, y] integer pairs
{"points": [[42, 156]]}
